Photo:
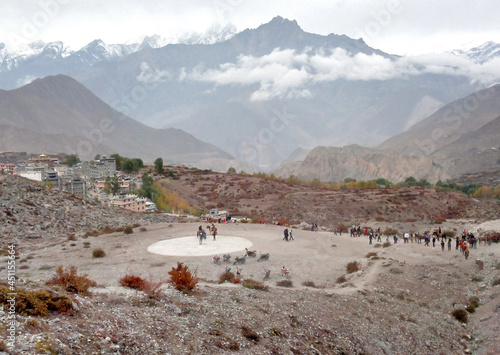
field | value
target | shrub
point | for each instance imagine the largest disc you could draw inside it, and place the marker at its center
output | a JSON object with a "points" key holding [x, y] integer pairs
{"points": [[132, 281], [377, 246], [182, 279], [353, 266], [249, 334], [341, 279], [70, 281], [254, 285], [477, 278], [226, 276], [460, 315], [390, 231], [474, 301], [107, 230], [309, 283], [150, 288], [38, 302], [128, 230], [98, 253], [143, 229], [386, 244], [470, 308], [496, 282], [449, 234], [370, 254], [284, 283]]}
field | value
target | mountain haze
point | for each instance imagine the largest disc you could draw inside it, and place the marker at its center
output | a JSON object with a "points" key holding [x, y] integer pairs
{"points": [[262, 93], [460, 138], [57, 114]]}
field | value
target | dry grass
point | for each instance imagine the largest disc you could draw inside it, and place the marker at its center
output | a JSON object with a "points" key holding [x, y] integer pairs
{"points": [[284, 283], [38, 302], [254, 285], [353, 266], [341, 279], [98, 253], [460, 315], [70, 281]]}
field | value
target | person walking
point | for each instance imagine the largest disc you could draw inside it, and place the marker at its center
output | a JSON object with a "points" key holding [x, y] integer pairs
{"points": [[449, 244], [290, 236], [285, 232], [442, 244]]}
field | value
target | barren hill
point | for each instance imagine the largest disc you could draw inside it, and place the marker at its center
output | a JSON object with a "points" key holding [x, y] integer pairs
{"points": [[271, 199], [354, 161], [58, 114], [448, 124]]}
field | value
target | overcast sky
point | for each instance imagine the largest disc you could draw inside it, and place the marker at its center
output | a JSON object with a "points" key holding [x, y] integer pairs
{"points": [[398, 27]]}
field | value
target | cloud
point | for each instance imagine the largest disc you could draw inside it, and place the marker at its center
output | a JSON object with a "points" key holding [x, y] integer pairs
{"points": [[286, 74], [149, 75]]}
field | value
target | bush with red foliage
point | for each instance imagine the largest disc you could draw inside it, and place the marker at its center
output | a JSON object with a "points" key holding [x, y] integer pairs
{"points": [[152, 289], [183, 279]]}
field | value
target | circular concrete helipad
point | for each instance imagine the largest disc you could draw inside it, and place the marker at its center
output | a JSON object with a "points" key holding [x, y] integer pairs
{"points": [[190, 246]]}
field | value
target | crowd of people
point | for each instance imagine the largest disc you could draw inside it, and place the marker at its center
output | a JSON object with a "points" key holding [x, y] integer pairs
{"points": [[463, 243]]}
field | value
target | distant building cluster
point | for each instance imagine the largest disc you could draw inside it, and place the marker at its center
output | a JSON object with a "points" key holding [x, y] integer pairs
{"points": [[87, 179]]}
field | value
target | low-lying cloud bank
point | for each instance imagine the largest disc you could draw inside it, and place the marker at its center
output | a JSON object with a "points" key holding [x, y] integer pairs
{"points": [[285, 73]]}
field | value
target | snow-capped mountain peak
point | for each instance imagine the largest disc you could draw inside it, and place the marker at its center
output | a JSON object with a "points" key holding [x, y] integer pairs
{"points": [[482, 53]]}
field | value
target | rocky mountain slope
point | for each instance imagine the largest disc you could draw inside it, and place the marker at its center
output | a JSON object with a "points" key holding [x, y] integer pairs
{"points": [[58, 114], [336, 164], [460, 138]]}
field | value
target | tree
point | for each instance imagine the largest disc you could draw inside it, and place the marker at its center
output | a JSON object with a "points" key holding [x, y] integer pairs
{"points": [[231, 170], [138, 163], [410, 181], [118, 160], [97, 157], [112, 185], [159, 165], [128, 166], [71, 159]]}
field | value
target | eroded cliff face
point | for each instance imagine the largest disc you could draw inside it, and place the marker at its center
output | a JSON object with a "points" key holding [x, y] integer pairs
{"points": [[335, 164]]}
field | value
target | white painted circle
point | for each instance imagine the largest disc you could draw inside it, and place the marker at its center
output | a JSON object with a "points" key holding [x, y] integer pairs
{"points": [[190, 246]]}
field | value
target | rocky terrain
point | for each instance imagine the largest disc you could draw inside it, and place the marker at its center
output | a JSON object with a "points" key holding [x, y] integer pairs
{"points": [[399, 301], [268, 200], [34, 213]]}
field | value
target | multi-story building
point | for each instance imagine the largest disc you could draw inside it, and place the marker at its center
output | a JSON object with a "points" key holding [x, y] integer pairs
{"points": [[129, 202], [102, 168], [75, 185]]}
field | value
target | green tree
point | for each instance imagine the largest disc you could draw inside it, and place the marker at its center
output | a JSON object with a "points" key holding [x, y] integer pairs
{"points": [[159, 165], [138, 163], [231, 170], [112, 185], [71, 159], [348, 179], [147, 189], [410, 181], [128, 166], [118, 160], [97, 157]]}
